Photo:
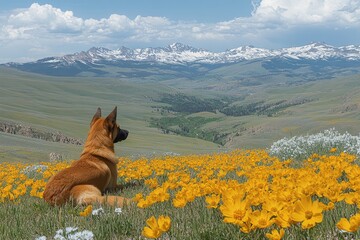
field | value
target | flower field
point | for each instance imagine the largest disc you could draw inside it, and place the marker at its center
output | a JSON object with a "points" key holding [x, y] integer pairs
{"points": [[244, 194]]}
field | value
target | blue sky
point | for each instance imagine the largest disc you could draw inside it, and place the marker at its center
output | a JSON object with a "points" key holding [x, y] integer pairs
{"points": [[186, 10], [30, 30]]}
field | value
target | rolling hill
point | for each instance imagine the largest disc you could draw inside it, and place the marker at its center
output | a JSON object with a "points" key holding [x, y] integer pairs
{"points": [[68, 104]]}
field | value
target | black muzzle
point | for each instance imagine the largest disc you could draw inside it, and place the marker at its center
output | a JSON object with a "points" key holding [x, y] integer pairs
{"points": [[121, 136]]}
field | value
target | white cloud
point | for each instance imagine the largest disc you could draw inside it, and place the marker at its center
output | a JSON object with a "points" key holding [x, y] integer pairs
{"points": [[44, 20], [11, 33], [267, 14], [295, 12], [115, 23], [46, 17], [151, 21]]}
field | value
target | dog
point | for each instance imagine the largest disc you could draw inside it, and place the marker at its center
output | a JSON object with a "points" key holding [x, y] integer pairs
{"points": [[95, 173]]}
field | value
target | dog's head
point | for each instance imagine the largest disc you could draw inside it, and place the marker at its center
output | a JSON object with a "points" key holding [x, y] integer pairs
{"points": [[109, 124]]}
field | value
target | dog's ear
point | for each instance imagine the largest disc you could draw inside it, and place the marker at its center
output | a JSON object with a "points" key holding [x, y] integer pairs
{"points": [[111, 119], [96, 116]]}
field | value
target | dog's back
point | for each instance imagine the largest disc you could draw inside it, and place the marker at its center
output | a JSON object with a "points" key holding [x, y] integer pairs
{"points": [[57, 190]]}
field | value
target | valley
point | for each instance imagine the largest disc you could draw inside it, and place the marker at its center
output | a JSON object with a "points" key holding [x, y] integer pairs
{"points": [[182, 108]]}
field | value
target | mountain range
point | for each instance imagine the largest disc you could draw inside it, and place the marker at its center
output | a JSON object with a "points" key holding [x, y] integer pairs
{"points": [[179, 54]]}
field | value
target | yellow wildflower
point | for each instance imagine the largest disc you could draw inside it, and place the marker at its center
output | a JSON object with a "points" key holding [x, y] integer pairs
{"points": [[143, 203], [275, 234], [261, 219], [87, 211], [179, 202], [332, 150], [152, 183], [138, 197], [212, 201], [153, 230], [235, 211], [351, 225], [164, 223], [155, 227], [273, 206], [307, 212], [283, 219]]}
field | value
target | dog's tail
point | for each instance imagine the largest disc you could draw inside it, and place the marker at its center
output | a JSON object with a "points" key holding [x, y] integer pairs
{"points": [[116, 201], [89, 194]]}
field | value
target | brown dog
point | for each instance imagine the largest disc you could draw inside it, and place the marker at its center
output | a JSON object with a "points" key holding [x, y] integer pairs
{"points": [[95, 172]]}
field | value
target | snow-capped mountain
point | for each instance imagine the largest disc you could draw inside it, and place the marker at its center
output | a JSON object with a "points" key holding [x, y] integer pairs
{"points": [[178, 53], [180, 60], [317, 51]]}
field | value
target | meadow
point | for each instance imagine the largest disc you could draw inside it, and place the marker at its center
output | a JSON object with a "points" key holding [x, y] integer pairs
{"points": [[300, 187], [241, 194]]}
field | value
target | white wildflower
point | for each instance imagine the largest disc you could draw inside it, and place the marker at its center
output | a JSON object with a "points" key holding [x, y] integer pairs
{"points": [[97, 212], [41, 238], [303, 146], [71, 233], [118, 211], [34, 169], [59, 235], [83, 235]]}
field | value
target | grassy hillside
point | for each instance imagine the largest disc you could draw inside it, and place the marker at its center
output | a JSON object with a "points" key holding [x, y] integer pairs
{"points": [[224, 111], [335, 103], [255, 116], [68, 104]]}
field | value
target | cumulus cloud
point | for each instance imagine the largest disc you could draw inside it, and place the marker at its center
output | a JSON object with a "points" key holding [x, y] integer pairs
{"points": [[297, 12], [27, 23], [267, 14], [274, 21], [271, 22], [46, 17]]}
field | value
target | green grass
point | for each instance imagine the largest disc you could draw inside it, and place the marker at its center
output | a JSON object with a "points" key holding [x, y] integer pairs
{"points": [[32, 217], [46, 220]]}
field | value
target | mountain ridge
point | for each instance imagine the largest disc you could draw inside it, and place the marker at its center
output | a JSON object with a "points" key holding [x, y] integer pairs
{"points": [[178, 61], [178, 53]]}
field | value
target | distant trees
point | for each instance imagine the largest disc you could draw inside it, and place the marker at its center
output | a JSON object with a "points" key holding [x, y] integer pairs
{"points": [[182, 103]]}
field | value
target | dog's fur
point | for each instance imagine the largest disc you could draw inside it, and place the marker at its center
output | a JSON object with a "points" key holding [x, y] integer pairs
{"points": [[95, 172]]}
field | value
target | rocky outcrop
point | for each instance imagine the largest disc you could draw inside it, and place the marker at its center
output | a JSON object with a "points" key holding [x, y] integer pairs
{"points": [[27, 131]]}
